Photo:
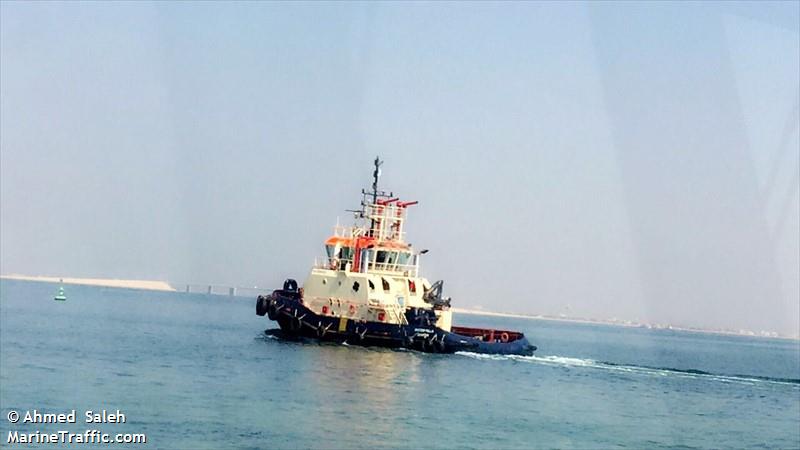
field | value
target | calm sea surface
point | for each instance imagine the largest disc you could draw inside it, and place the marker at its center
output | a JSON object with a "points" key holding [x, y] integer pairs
{"points": [[195, 371]]}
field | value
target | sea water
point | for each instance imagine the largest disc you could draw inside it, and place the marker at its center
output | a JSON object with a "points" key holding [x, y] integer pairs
{"points": [[192, 371]]}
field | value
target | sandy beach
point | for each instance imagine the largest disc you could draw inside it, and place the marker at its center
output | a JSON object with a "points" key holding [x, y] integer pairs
{"points": [[130, 284]]}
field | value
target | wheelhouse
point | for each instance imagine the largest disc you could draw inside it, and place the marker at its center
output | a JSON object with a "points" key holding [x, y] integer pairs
{"points": [[376, 245]]}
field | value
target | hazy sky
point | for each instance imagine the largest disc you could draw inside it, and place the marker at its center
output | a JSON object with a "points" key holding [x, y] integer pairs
{"points": [[634, 160]]}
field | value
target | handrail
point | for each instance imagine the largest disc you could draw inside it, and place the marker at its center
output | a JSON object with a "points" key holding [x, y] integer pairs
{"points": [[401, 318], [383, 268], [393, 268]]}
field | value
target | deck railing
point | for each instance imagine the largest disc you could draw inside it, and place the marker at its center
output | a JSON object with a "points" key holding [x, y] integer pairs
{"points": [[410, 270]]}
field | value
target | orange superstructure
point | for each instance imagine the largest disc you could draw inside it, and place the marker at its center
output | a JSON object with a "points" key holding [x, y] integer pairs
{"points": [[377, 240]]}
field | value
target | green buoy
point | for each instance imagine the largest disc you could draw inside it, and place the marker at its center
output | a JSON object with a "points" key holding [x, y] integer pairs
{"points": [[61, 297]]}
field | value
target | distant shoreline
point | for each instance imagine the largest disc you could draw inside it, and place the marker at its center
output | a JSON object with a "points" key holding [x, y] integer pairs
{"points": [[743, 333], [164, 286]]}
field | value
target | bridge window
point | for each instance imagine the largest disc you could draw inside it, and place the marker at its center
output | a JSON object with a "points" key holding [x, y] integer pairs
{"points": [[403, 258], [386, 286], [386, 259]]}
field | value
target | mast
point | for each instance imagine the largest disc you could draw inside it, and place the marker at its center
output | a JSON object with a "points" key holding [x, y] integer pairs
{"points": [[375, 174]]}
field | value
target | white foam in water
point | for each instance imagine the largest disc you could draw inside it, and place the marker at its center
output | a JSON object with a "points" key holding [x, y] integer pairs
{"points": [[563, 361], [557, 360], [548, 360]]}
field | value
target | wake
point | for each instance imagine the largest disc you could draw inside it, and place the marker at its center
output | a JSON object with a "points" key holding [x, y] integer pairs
{"points": [[562, 361]]}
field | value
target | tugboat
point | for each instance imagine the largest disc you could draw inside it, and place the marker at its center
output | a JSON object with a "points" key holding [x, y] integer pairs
{"points": [[368, 291]]}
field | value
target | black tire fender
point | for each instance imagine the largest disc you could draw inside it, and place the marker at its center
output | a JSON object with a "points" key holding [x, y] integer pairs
{"points": [[408, 341], [439, 344], [262, 305], [360, 334], [423, 345], [294, 323], [290, 285], [272, 310], [322, 330]]}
